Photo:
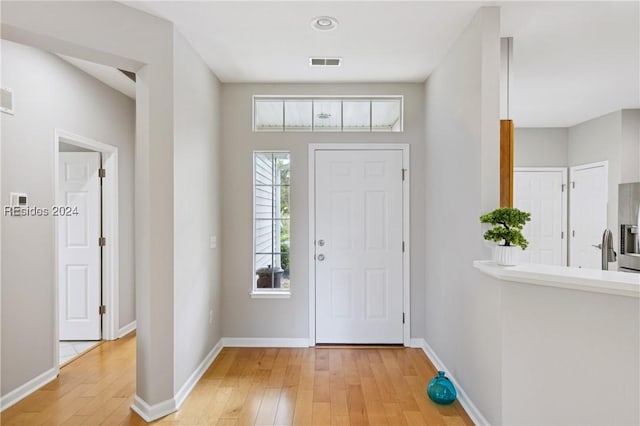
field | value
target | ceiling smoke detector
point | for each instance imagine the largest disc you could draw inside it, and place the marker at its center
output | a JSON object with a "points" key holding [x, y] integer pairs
{"points": [[324, 23]]}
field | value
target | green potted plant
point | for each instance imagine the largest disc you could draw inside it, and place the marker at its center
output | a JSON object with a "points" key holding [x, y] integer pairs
{"points": [[507, 226]]}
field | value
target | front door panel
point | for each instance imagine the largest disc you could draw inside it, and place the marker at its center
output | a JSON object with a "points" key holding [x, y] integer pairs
{"points": [[358, 230]]}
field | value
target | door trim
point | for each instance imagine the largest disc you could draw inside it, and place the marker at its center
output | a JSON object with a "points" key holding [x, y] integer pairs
{"points": [[406, 260], [565, 202], [110, 253]]}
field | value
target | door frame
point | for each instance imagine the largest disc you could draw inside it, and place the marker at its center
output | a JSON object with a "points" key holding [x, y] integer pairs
{"points": [[565, 204], [110, 252], [406, 260], [572, 171]]}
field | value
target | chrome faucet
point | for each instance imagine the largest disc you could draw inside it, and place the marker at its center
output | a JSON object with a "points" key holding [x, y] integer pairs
{"points": [[608, 253]]}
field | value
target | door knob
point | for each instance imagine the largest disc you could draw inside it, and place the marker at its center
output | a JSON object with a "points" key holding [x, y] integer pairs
{"points": [[598, 246], [321, 243], [321, 257]]}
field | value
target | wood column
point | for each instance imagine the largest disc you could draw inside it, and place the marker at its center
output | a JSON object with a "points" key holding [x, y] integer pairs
{"points": [[506, 163]]}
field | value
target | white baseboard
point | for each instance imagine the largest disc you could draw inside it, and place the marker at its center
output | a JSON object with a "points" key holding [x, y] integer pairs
{"points": [[265, 342], [192, 381], [416, 343], [127, 329], [468, 405], [152, 412], [28, 388]]}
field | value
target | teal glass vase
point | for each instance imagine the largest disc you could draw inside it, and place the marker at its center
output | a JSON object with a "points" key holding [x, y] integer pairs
{"points": [[441, 390]]}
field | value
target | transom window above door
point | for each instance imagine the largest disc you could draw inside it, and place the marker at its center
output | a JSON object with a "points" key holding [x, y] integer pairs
{"points": [[327, 114]]}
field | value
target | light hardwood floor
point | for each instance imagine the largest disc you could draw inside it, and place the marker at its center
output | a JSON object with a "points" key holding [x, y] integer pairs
{"points": [[250, 386]]}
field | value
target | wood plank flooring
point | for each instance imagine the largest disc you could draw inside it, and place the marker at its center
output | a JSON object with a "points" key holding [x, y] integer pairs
{"points": [[250, 386]]}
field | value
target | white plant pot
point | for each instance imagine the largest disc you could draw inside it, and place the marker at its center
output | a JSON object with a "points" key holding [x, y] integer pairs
{"points": [[505, 255]]}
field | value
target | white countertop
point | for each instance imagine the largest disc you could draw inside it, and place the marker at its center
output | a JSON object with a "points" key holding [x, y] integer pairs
{"points": [[593, 280]]}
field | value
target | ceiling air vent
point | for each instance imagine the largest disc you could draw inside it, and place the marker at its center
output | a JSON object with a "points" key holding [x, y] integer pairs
{"points": [[325, 62], [7, 101]]}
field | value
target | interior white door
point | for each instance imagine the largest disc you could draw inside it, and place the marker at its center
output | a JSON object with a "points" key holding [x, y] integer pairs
{"points": [[541, 192], [78, 249], [588, 211], [358, 230]]}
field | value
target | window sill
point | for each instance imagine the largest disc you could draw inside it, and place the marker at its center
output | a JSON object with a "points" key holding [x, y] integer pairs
{"points": [[270, 294]]}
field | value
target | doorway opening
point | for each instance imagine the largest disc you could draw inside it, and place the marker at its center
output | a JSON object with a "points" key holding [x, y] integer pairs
{"points": [[359, 244], [86, 244]]}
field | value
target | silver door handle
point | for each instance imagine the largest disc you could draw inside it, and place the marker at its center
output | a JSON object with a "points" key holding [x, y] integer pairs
{"points": [[320, 243], [599, 246], [321, 257]]}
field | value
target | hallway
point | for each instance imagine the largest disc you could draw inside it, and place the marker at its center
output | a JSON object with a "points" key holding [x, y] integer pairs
{"points": [[96, 388], [244, 386]]}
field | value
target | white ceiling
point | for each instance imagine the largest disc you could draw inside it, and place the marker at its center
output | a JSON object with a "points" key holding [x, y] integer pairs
{"points": [[271, 41], [572, 60]]}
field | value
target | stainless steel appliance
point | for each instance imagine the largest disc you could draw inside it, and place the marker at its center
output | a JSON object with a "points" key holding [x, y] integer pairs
{"points": [[629, 220]]}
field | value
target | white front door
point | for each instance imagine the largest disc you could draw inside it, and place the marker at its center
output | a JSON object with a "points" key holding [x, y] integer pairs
{"points": [[358, 234], [542, 192], [588, 210], [78, 201]]}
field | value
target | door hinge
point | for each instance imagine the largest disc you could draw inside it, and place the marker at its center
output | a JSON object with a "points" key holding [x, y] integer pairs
{"points": [[573, 184], [573, 233], [403, 246], [404, 171], [403, 317], [102, 241], [102, 173], [563, 185], [102, 309], [562, 235]]}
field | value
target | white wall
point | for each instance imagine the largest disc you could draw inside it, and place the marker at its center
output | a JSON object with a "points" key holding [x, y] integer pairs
{"points": [[615, 136], [462, 307], [50, 94], [116, 35], [65, 147], [289, 318], [630, 146], [569, 357], [197, 200], [597, 140], [541, 147]]}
